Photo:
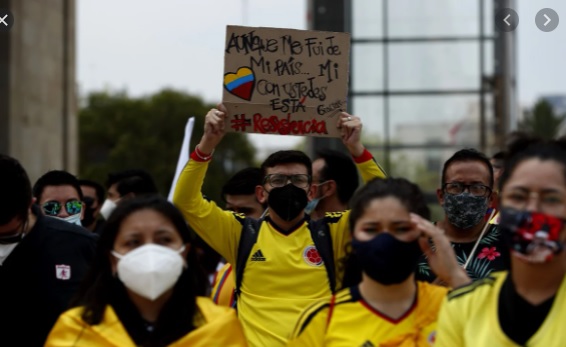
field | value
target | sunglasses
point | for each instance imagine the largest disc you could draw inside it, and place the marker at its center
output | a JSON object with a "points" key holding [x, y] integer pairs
{"points": [[52, 208]]}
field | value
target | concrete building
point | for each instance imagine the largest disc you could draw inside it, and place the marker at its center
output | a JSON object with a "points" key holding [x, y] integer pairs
{"points": [[38, 107]]}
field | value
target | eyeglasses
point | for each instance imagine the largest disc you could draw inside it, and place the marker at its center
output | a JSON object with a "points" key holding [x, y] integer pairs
{"points": [[52, 208], [280, 180], [456, 188]]}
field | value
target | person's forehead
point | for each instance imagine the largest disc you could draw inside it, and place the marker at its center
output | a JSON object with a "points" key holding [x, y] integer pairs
{"points": [[384, 210], [288, 169], [242, 200], [89, 191], [537, 175], [496, 162], [146, 222], [467, 171], [61, 193]]}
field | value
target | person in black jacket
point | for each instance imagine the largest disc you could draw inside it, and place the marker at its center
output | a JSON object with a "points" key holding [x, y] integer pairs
{"points": [[42, 261]]}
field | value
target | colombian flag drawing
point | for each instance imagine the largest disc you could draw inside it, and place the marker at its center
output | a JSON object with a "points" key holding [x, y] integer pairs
{"points": [[241, 83]]}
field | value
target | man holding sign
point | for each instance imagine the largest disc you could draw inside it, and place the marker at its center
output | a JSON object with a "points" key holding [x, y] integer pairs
{"points": [[278, 82], [284, 270]]}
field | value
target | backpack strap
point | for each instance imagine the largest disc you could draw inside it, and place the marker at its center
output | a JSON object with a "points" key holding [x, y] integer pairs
{"points": [[320, 233], [248, 238]]}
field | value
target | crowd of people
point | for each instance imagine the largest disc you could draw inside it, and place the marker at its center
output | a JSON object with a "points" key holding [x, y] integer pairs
{"points": [[299, 254]]}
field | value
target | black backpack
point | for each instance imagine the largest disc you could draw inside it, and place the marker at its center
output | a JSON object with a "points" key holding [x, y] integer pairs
{"points": [[320, 233]]}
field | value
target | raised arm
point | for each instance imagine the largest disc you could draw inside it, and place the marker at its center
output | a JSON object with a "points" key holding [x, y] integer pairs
{"points": [[351, 128], [220, 229]]}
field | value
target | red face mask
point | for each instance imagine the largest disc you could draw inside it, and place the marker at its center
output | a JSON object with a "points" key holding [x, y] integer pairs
{"points": [[525, 231]]}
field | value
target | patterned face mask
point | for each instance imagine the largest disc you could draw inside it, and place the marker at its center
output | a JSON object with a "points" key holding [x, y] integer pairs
{"points": [[465, 210]]}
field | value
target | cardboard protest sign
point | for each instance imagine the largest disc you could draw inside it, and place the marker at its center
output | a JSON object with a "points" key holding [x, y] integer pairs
{"points": [[285, 81]]}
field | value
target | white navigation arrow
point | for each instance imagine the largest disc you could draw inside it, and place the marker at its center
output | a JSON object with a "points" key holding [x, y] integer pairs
{"points": [[548, 20], [505, 20]]}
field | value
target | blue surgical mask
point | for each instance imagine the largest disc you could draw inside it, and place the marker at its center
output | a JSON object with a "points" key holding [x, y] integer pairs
{"points": [[311, 205]]}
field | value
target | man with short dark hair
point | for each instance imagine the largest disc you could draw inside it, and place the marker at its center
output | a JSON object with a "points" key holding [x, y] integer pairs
{"points": [[93, 197], [42, 261], [239, 192], [465, 194], [336, 177], [290, 262], [59, 195], [126, 184]]}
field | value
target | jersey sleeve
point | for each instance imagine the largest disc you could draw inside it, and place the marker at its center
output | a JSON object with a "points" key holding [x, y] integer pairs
{"points": [[450, 328], [218, 228], [223, 287], [310, 329], [368, 167]]}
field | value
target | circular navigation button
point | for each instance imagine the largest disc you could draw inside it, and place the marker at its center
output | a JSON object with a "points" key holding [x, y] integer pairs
{"points": [[547, 19], [506, 20]]}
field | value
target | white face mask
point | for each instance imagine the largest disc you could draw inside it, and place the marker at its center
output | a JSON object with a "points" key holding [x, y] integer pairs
{"points": [[74, 219], [5, 251], [107, 208], [150, 270]]}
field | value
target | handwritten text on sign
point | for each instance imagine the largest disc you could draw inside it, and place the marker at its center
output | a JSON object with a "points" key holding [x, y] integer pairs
{"points": [[285, 81]]}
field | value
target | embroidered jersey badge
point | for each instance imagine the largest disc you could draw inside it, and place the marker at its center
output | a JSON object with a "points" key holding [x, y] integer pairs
{"points": [[63, 272], [258, 256], [312, 257]]}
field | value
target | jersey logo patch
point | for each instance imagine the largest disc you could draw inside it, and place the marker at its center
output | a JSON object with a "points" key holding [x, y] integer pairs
{"points": [[63, 272], [311, 256], [258, 256]]}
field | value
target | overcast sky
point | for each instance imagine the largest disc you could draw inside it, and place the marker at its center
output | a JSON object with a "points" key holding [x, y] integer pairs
{"points": [[143, 46]]}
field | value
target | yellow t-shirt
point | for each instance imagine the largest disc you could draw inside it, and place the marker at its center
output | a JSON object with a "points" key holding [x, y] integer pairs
{"points": [[284, 273], [350, 321], [216, 327], [469, 317]]}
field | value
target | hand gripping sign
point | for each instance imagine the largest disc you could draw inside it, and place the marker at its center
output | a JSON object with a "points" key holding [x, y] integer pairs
{"points": [[285, 81]]}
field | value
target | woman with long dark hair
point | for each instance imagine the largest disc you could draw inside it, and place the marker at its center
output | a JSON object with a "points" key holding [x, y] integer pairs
{"points": [[145, 287], [388, 307]]}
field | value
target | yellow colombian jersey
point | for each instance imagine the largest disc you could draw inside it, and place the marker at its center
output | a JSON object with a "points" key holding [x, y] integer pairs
{"points": [[216, 327], [284, 273], [469, 317], [349, 321]]}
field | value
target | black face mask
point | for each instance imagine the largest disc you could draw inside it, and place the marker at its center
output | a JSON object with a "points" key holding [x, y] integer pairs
{"points": [[287, 201], [386, 259], [88, 217]]}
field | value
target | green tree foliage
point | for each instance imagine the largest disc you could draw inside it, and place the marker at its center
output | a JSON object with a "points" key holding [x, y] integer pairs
{"points": [[118, 132], [542, 121]]}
